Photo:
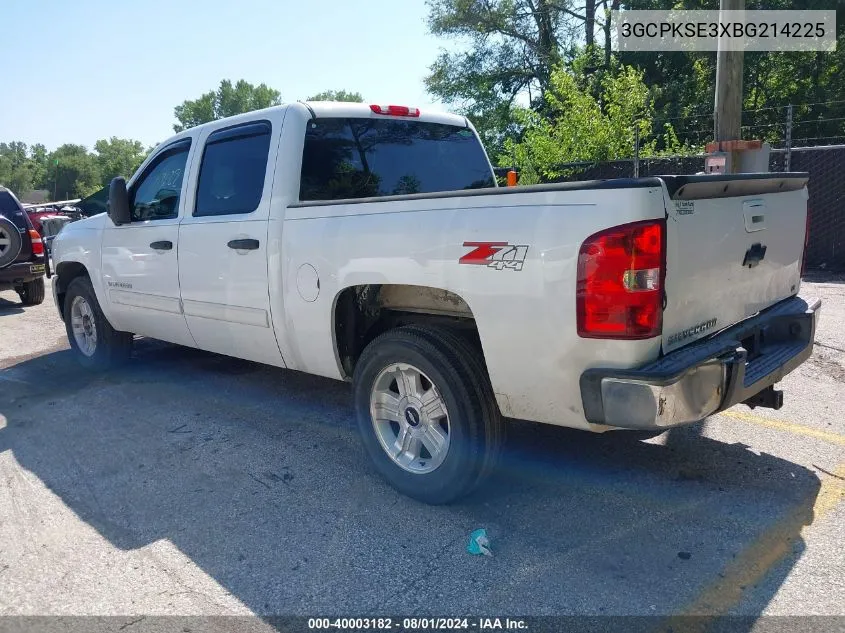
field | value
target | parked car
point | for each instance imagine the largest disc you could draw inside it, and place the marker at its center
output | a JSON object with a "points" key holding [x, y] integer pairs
{"points": [[51, 226], [371, 244], [22, 260]]}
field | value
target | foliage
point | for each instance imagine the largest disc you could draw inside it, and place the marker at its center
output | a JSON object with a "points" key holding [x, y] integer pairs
{"points": [[506, 52], [72, 172], [575, 126], [503, 55], [118, 157], [38, 165], [227, 100], [337, 95], [15, 171]]}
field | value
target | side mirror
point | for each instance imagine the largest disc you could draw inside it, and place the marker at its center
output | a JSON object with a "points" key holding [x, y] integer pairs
{"points": [[118, 208]]}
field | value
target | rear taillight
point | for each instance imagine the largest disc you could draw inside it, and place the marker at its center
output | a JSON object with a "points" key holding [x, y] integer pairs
{"points": [[806, 241], [620, 282], [395, 110], [37, 244]]}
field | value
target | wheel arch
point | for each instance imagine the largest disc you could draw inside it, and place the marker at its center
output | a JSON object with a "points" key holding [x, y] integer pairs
{"points": [[65, 273], [362, 312]]}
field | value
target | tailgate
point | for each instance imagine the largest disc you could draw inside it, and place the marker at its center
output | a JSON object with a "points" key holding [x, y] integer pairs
{"points": [[734, 245]]}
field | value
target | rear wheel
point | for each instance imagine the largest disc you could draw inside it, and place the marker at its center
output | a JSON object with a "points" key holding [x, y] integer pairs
{"points": [[426, 412], [32, 292], [96, 343]]}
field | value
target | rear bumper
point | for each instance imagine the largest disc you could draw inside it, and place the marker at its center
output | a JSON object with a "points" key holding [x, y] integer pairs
{"points": [[20, 273], [691, 383]]}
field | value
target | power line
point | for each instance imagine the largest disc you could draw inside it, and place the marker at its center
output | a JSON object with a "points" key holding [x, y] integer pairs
{"points": [[801, 105], [807, 121]]}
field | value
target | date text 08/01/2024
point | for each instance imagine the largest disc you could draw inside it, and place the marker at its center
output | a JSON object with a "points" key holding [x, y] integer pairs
{"points": [[417, 624]]}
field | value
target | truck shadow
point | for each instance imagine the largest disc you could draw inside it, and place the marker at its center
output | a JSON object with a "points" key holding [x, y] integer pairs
{"points": [[257, 476], [819, 276], [9, 307]]}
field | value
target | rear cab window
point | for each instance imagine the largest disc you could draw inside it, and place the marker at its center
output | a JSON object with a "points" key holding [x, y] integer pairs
{"points": [[361, 158], [9, 208]]}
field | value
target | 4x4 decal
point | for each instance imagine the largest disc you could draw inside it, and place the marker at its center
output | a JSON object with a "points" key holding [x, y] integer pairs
{"points": [[498, 255]]}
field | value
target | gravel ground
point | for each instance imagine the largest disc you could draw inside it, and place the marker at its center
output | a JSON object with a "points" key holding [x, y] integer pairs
{"points": [[194, 484]]}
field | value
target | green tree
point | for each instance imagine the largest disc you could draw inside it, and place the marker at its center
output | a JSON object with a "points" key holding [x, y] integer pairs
{"points": [[15, 152], [72, 172], [576, 126], [15, 168], [226, 101], [118, 157], [504, 51], [38, 162], [506, 48], [17, 178], [337, 95]]}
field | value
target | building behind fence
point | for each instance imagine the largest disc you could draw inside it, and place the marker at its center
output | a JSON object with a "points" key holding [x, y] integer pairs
{"points": [[825, 164]]}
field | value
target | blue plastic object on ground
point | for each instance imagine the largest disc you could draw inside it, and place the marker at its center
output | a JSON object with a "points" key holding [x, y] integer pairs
{"points": [[479, 543]]}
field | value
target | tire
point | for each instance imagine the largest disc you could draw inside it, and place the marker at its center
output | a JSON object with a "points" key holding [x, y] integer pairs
{"points": [[32, 292], [448, 369], [10, 242], [110, 348]]}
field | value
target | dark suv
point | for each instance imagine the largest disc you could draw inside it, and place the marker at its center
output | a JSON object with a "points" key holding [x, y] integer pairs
{"points": [[22, 261]]}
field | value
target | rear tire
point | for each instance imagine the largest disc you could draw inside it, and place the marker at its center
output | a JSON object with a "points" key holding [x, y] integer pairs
{"points": [[97, 344], [435, 436], [32, 292]]}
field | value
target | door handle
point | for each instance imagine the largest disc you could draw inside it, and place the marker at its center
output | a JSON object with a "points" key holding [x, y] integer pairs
{"points": [[243, 245], [163, 245]]}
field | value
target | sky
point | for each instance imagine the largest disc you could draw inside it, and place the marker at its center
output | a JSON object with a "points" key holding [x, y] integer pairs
{"points": [[77, 71]]}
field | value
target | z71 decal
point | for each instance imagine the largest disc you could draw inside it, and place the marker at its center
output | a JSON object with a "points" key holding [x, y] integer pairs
{"points": [[498, 255]]}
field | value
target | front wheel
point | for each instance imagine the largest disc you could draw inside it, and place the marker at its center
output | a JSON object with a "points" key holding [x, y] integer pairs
{"points": [[32, 292], [426, 413], [96, 343]]}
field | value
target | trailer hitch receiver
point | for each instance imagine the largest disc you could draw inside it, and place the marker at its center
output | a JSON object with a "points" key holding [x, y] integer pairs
{"points": [[769, 398]]}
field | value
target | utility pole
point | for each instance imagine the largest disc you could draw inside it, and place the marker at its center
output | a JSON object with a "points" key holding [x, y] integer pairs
{"points": [[787, 162], [729, 153], [728, 106], [636, 149]]}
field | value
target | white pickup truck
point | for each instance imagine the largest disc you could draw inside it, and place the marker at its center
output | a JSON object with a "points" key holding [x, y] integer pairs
{"points": [[371, 244]]}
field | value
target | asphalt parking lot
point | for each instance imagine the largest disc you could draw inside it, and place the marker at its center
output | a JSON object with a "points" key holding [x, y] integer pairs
{"points": [[194, 484]]}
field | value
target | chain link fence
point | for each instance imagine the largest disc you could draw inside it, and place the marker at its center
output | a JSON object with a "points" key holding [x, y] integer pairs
{"points": [[825, 164]]}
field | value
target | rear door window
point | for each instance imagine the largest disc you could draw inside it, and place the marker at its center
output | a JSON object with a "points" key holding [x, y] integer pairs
{"points": [[361, 158]]}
